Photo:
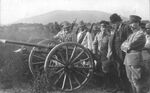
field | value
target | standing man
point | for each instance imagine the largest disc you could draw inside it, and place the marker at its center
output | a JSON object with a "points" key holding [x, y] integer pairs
{"points": [[134, 63], [81, 32], [65, 35], [96, 29], [100, 44], [115, 54], [147, 31], [88, 38]]}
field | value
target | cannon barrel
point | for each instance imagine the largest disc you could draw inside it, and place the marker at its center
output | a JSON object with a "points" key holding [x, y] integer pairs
{"points": [[22, 43]]}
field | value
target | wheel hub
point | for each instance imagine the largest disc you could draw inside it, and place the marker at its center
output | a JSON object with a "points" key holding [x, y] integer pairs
{"points": [[68, 68]]}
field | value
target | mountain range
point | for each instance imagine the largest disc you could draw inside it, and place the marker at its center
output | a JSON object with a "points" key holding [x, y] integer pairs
{"points": [[61, 15]]}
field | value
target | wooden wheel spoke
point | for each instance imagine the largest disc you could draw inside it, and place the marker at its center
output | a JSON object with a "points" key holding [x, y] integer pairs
{"points": [[59, 77], [60, 70], [70, 82], [81, 60], [42, 67], [83, 71], [67, 53], [39, 57], [78, 56], [64, 81], [56, 59], [72, 54], [40, 62], [63, 60], [75, 78], [82, 74]]}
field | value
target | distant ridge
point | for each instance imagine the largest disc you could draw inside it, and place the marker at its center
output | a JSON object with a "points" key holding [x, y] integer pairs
{"points": [[61, 15]]}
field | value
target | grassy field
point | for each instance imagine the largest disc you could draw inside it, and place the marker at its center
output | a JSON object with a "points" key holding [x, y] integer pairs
{"points": [[95, 85], [28, 90]]}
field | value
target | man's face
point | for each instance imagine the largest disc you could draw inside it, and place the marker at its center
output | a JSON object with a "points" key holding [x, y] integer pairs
{"points": [[103, 27], [67, 29], [115, 25], [82, 28], [134, 26], [148, 31]]}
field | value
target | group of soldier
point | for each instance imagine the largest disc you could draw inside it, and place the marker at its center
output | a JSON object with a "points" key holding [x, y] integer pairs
{"points": [[119, 49]]}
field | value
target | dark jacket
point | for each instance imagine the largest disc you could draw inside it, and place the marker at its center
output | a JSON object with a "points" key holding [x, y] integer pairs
{"points": [[134, 44], [122, 32], [100, 43]]}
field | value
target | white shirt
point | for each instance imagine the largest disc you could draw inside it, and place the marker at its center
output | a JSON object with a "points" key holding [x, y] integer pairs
{"points": [[87, 41], [147, 44]]}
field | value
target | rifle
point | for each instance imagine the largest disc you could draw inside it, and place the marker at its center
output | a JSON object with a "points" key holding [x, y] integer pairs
{"points": [[90, 30], [73, 23]]}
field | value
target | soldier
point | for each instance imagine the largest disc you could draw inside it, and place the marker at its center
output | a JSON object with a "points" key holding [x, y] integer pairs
{"points": [[88, 38], [95, 30], [133, 61], [100, 43], [65, 34], [81, 32], [147, 27], [115, 55]]}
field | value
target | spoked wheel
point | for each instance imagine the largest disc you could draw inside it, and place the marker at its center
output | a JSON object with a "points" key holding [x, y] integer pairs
{"points": [[38, 55], [69, 66]]}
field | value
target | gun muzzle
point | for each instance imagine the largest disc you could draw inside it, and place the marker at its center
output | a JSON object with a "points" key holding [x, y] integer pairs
{"points": [[2, 40]]}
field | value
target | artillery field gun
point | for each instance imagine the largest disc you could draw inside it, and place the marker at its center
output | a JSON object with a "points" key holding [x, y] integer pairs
{"points": [[72, 64]]}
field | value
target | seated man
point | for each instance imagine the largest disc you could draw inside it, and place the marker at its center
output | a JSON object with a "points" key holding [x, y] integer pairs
{"points": [[65, 34]]}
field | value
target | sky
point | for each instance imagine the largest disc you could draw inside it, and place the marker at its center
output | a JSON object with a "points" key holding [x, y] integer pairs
{"points": [[13, 10]]}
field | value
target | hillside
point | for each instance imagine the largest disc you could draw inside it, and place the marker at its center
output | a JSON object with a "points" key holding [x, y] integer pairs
{"points": [[59, 16]]}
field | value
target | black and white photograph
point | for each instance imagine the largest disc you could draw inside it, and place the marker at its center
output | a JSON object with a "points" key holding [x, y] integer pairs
{"points": [[74, 46]]}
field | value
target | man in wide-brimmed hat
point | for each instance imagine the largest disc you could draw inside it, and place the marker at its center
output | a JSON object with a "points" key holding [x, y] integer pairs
{"points": [[115, 54], [134, 64], [65, 34], [81, 32]]}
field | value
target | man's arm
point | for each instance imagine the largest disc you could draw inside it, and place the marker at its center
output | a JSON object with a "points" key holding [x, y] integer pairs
{"points": [[125, 46], [126, 32], [57, 35], [95, 45], [138, 42]]}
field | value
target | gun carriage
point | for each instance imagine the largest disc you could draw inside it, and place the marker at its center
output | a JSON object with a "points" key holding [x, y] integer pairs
{"points": [[72, 64]]}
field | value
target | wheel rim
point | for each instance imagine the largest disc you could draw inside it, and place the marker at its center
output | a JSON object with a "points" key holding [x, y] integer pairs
{"points": [[71, 65], [37, 57]]}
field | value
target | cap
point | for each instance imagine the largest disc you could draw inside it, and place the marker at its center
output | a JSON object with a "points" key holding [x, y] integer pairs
{"points": [[66, 24], [81, 24], [135, 19]]}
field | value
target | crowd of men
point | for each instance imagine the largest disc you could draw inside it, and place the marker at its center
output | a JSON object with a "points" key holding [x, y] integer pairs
{"points": [[119, 50]]}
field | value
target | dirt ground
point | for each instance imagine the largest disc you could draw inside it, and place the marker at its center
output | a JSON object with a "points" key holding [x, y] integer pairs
{"points": [[93, 86], [95, 90]]}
